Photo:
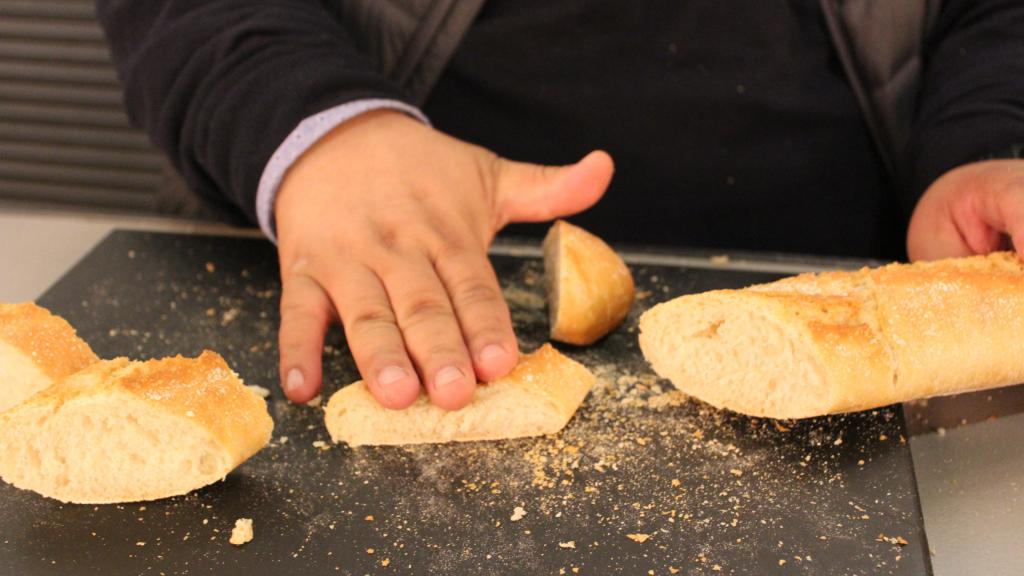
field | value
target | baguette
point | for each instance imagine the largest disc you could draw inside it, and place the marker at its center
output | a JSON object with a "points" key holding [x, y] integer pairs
{"points": [[122, 431], [590, 289], [539, 396], [838, 342], [37, 348]]}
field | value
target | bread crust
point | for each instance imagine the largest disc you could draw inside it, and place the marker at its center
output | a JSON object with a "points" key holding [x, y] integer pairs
{"points": [[545, 388], [203, 392], [879, 336], [43, 340], [51, 342], [590, 288]]}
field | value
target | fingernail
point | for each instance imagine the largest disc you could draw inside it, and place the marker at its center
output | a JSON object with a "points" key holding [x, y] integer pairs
{"points": [[390, 375], [447, 376], [492, 351], [294, 380]]}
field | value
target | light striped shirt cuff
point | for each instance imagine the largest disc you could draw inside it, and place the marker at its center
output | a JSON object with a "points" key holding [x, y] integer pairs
{"points": [[301, 139]]}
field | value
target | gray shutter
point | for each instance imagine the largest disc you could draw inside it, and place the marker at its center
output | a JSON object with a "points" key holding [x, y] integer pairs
{"points": [[64, 136]]}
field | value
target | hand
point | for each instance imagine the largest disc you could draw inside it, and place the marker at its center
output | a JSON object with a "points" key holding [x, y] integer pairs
{"points": [[384, 224], [973, 209]]}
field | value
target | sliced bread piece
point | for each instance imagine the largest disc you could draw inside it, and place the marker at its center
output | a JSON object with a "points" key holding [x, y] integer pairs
{"points": [[538, 397], [818, 344], [122, 431], [590, 289], [37, 348]]}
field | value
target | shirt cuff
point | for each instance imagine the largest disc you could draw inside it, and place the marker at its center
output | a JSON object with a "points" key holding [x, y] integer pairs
{"points": [[301, 139]]}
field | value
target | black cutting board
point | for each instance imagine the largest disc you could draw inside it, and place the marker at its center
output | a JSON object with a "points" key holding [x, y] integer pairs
{"points": [[713, 493]]}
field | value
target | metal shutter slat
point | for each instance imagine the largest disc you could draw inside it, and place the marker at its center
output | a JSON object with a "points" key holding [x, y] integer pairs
{"points": [[83, 156]]}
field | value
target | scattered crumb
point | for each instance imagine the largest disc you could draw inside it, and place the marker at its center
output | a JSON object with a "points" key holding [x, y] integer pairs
{"points": [[315, 402], [736, 472], [569, 544], [321, 445], [140, 544], [897, 540], [370, 551], [282, 440], [782, 562], [385, 562], [242, 532], [369, 518], [259, 390], [638, 537], [210, 267], [518, 514]]}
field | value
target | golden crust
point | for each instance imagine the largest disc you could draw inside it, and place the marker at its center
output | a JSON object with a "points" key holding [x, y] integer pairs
{"points": [[48, 339], [590, 288], [204, 389], [880, 336], [545, 385]]}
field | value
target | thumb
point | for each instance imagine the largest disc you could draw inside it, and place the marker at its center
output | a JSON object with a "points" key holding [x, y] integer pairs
{"points": [[971, 209], [535, 193]]}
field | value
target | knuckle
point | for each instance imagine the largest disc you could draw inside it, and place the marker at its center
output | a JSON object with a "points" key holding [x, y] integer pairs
{"points": [[369, 319], [423, 309], [475, 291]]}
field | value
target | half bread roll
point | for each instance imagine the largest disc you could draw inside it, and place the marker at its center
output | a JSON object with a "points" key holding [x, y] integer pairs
{"points": [[37, 348], [122, 431], [836, 342], [538, 397], [590, 289]]}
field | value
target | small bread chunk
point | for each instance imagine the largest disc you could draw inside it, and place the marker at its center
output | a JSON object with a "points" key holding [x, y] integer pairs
{"points": [[242, 532], [122, 431], [590, 289], [538, 397], [37, 348], [835, 342]]}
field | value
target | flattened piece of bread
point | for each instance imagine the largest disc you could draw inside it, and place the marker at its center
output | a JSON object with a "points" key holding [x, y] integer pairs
{"points": [[122, 431], [819, 344], [590, 289], [37, 348], [538, 397]]}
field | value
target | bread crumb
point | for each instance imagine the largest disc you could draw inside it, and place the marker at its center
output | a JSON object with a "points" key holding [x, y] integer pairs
{"points": [[242, 532], [370, 551], [283, 440], [259, 390], [782, 562], [321, 445], [140, 544], [736, 472], [517, 514], [369, 518], [210, 267], [315, 402], [716, 568], [638, 537], [385, 562], [673, 570], [676, 482], [569, 544]]}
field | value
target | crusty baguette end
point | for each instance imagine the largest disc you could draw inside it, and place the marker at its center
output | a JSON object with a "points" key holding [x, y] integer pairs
{"points": [[122, 431], [590, 289], [36, 349]]}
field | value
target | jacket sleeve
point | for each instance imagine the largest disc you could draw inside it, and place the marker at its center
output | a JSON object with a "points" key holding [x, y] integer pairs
{"points": [[972, 100], [219, 84]]}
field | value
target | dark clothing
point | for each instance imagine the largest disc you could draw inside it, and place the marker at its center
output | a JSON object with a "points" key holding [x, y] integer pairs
{"points": [[732, 125], [729, 128]]}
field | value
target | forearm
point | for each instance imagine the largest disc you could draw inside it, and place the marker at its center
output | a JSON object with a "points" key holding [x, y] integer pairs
{"points": [[219, 85], [972, 102]]}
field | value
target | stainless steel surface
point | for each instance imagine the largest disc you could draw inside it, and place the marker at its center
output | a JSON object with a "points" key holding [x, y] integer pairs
{"points": [[970, 475]]}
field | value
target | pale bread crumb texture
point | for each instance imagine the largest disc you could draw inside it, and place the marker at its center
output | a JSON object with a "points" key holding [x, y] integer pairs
{"points": [[538, 397], [37, 348], [837, 342], [590, 289], [122, 431], [242, 532], [259, 390]]}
